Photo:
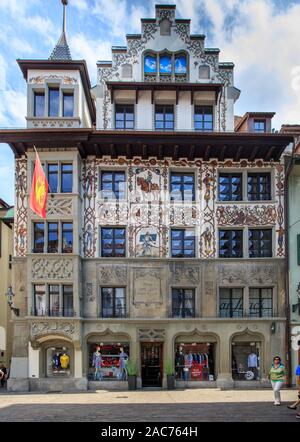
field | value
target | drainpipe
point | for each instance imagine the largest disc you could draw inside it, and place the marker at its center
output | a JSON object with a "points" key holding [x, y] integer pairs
{"points": [[287, 271]]}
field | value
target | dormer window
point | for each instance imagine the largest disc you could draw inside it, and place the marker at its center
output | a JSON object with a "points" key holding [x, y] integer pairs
{"points": [[53, 109], [260, 126], [39, 104]]}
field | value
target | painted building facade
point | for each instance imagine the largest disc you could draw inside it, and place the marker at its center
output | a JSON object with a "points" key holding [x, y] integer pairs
{"points": [[164, 237]]}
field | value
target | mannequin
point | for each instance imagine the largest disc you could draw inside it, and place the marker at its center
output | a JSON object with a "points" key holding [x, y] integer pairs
{"points": [[56, 361], [122, 365], [64, 360], [253, 363], [97, 363]]}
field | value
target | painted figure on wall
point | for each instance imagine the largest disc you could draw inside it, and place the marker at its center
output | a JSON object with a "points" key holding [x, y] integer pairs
{"points": [[146, 184], [89, 234], [147, 243], [88, 183]]}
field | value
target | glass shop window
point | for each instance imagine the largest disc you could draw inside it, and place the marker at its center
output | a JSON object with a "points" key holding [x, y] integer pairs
{"points": [[195, 361], [58, 361], [107, 361], [246, 361]]}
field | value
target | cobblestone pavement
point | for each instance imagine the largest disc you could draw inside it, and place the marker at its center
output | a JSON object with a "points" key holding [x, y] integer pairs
{"points": [[194, 405]]}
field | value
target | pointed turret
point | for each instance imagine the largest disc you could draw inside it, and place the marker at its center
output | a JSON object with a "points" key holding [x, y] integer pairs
{"points": [[62, 50]]}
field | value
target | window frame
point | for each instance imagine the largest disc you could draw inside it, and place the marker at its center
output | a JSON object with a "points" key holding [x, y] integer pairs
{"points": [[114, 307], [260, 121], [259, 240], [66, 172], [231, 310], [34, 250], [64, 249], [114, 228], [182, 291], [258, 194], [164, 121], [202, 114], [230, 176], [52, 89], [38, 94], [124, 113], [231, 231], [113, 172], [182, 239], [260, 299], [65, 293], [182, 192], [68, 93]]}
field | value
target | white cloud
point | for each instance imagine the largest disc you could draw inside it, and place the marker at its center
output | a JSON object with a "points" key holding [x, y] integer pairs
{"points": [[79, 4], [12, 108]]}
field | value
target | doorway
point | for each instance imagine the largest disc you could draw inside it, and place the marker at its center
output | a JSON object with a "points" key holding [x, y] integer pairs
{"points": [[151, 363]]}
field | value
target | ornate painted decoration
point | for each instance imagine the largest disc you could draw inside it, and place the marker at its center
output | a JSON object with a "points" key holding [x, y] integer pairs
{"points": [[20, 226]]}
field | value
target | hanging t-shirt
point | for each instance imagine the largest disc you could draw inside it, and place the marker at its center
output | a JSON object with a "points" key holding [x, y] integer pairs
{"points": [[64, 361], [297, 373], [252, 360], [56, 360]]}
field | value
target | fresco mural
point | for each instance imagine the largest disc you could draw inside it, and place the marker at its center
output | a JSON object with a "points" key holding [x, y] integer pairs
{"points": [[180, 64], [165, 64], [147, 242], [150, 64]]}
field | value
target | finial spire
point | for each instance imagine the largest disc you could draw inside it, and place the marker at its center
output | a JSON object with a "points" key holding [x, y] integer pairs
{"points": [[62, 50], [65, 3]]}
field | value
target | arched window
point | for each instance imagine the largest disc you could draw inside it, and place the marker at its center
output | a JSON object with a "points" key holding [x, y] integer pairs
{"points": [[165, 27], [204, 72], [165, 64], [150, 64], [180, 64], [126, 71]]}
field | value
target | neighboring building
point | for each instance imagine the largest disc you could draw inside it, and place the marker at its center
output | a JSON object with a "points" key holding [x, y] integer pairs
{"points": [[292, 165], [258, 122], [164, 236], [6, 252]]}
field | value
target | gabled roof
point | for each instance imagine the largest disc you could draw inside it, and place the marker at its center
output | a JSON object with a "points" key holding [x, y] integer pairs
{"points": [[253, 115]]}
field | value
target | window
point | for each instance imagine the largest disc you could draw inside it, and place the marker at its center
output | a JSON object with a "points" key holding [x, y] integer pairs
{"points": [[203, 118], [66, 178], [230, 187], [124, 116], [39, 104], [38, 237], [113, 185], [54, 306], [231, 303], [113, 241], [53, 177], [164, 117], [67, 237], [68, 104], [113, 302], [58, 361], [68, 301], [183, 303], [52, 237], [260, 126], [182, 187], [53, 110], [40, 300], [183, 243], [259, 186], [230, 243], [260, 243], [150, 64], [260, 302]]}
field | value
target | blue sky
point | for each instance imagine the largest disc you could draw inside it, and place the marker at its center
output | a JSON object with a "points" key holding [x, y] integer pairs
{"points": [[260, 36]]}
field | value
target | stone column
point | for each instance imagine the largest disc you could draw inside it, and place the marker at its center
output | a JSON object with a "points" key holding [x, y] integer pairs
{"points": [[224, 379]]}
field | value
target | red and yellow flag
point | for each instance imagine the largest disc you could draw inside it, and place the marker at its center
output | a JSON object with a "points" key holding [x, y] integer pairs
{"points": [[39, 189]]}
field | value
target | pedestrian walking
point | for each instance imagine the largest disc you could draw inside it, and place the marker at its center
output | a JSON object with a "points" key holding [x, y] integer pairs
{"points": [[3, 375], [277, 378], [295, 404]]}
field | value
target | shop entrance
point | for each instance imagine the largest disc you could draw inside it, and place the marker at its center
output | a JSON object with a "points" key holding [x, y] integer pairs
{"points": [[151, 363]]}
